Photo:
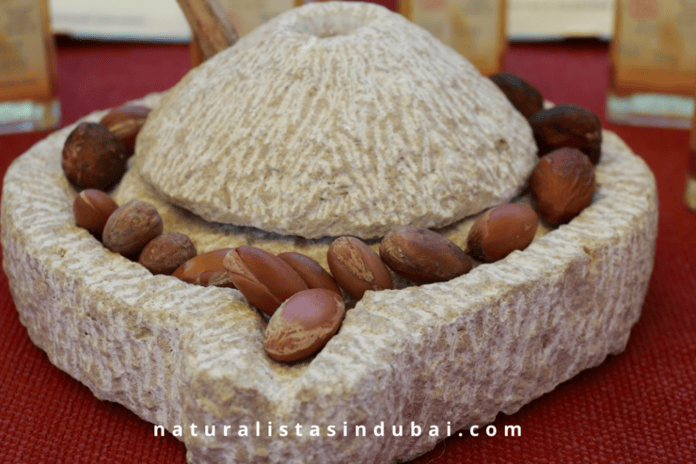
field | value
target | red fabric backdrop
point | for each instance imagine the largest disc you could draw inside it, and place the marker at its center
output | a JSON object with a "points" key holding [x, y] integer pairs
{"points": [[635, 407]]}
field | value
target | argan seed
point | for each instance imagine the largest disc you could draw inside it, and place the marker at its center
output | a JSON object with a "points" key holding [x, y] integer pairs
{"points": [[205, 269], [131, 227], [523, 95], [263, 278], [422, 255], [502, 230], [92, 209], [567, 125], [311, 271], [93, 157], [164, 254], [563, 184], [357, 267], [303, 324], [125, 123]]}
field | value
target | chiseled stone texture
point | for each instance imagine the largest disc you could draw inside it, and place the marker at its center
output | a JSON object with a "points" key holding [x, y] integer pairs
{"points": [[458, 352], [338, 119]]}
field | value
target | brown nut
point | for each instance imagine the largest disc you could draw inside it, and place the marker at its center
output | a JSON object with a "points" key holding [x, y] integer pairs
{"points": [[502, 230], [131, 227], [205, 270], [563, 184], [568, 125], [357, 267], [303, 324], [93, 157], [164, 254], [422, 255], [92, 209], [523, 95], [263, 278], [125, 123], [311, 271]]}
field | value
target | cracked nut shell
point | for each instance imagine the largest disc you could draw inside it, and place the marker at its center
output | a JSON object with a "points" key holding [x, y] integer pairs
{"points": [[263, 278], [422, 255], [563, 184], [304, 324], [502, 230], [357, 267], [568, 125], [165, 253], [93, 157], [524, 96], [131, 227]]}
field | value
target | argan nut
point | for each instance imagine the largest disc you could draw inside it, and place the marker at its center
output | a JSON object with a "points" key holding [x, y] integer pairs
{"points": [[206, 270], [502, 230], [563, 184], [131, 227], [311, 271], [164, 254], [92, 209], [422, 255], [523, 95], [303, 324], [568, 125], [125, 123], [263, 278], [357, 267], [93, 157]]}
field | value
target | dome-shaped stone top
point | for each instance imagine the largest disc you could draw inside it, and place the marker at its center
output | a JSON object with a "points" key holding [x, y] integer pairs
{"points": [[336, 119]]}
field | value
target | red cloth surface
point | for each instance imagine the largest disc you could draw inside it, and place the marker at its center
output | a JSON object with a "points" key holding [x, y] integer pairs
{"points": [[635, 407]]}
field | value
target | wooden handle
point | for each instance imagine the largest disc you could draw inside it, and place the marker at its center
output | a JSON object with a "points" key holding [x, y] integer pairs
{"points": [[210, 24]]}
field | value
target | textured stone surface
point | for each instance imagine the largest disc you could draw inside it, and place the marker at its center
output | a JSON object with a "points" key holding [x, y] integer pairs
{"points": [[456, 352], [338, 119]]}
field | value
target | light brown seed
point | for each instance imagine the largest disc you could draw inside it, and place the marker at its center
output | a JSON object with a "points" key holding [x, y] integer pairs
{"points": [[206, 269], [567, 125], [303, 324], [125, 123], [502, 230], [524, 96], [311, 271], [92, 209], [93, 157], [357, 267], [130, 227], [563, 184], [422, 255], [263, 278], [164, 254]]}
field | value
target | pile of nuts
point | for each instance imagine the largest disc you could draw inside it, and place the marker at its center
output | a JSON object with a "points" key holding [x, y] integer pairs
{"points": [[303, 301]]}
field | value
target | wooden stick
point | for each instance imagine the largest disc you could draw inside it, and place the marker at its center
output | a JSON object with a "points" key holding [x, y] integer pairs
{"points": [[211, 26]]}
